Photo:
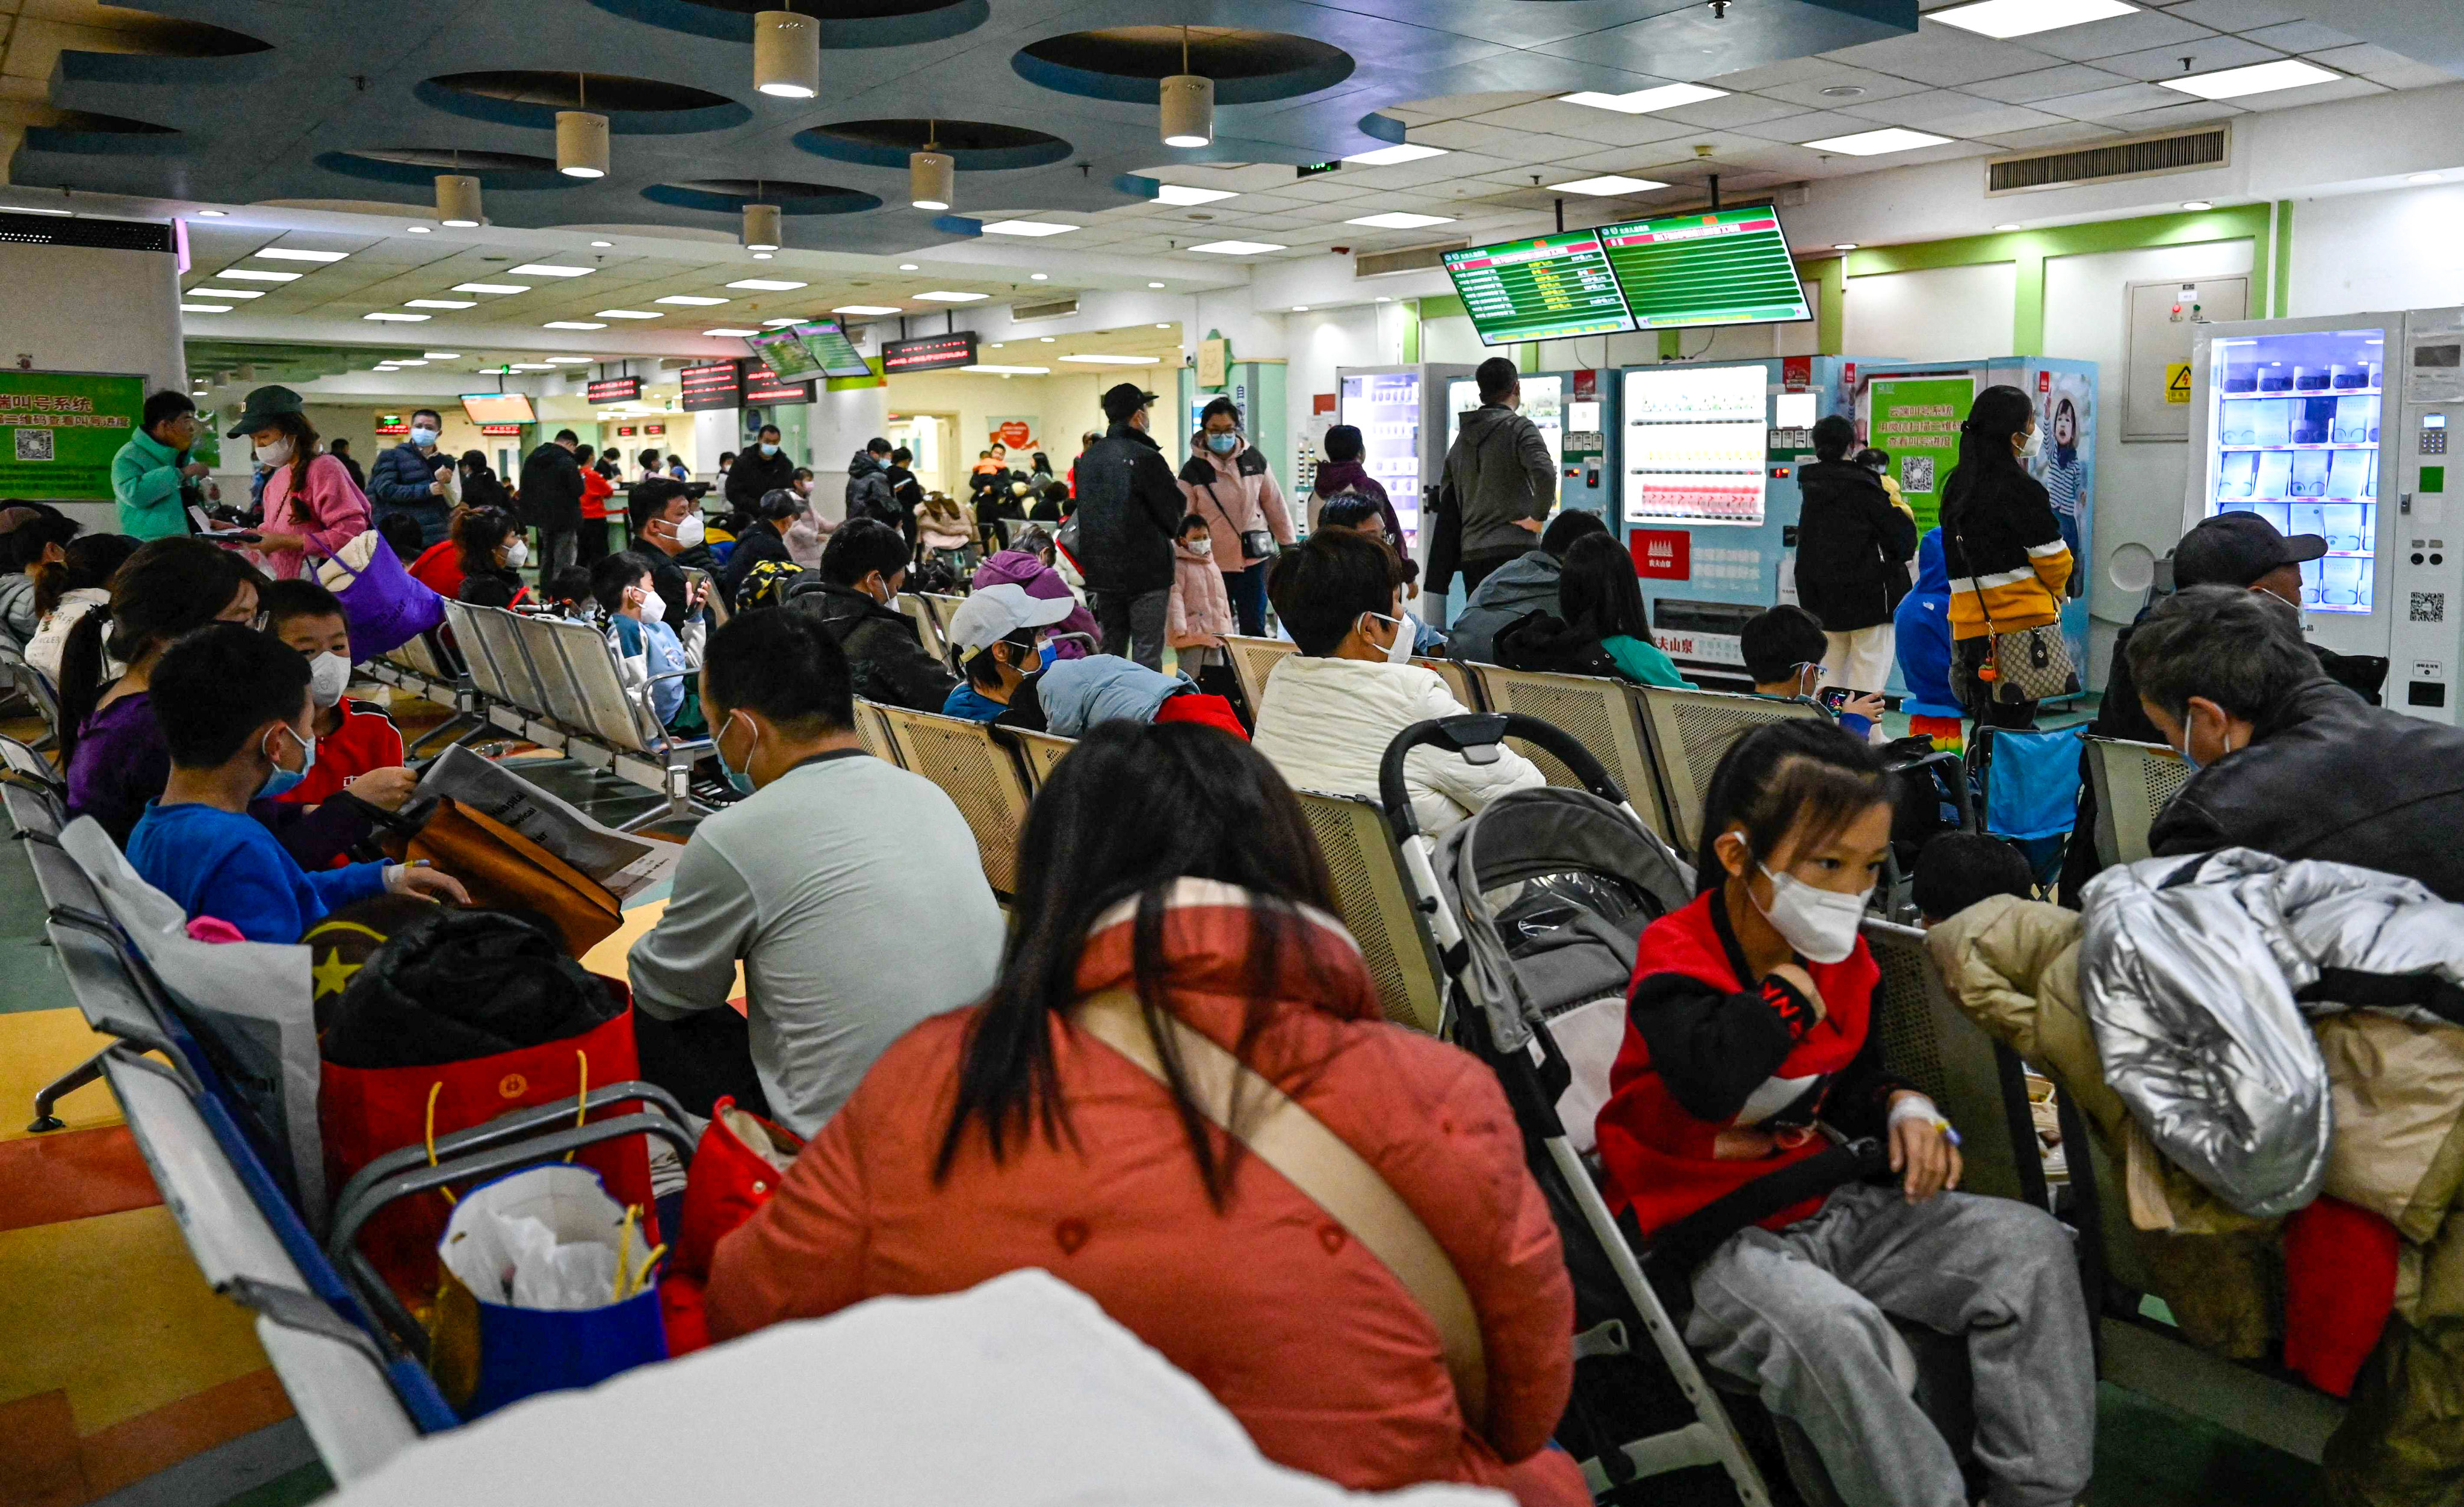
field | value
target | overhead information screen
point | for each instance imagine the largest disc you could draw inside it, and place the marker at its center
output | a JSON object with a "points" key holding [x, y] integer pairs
{"points": [[1541, 290], [1722, 266], [818, 349]]}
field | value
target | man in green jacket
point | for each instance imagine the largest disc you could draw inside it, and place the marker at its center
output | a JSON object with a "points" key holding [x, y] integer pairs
{"points": [[151, 471]]}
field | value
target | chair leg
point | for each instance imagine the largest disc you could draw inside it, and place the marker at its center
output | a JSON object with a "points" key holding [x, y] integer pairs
{"points": [[60, 1088], [456, 724]]}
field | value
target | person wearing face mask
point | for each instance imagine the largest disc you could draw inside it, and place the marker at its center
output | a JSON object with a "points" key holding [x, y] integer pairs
{"points": [[311, 505], [668, 532], [861, 574], [831, 857], [763, 538], [1498, 471], [2008, 563], [490, 554], [236, 708], [654, 658], [414, 480], [1330, 710], [551, 498], [1783, 648], [1230, 485], [154, 470], [996, 633], [478, 486], [1130, 510], [765, 468], [1749, 1031], [358, 746], [1201, 610]]}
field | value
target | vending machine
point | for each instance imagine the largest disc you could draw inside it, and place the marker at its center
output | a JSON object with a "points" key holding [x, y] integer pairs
{"points": [[1572, 410], [2338, 427], [1405, 428]]}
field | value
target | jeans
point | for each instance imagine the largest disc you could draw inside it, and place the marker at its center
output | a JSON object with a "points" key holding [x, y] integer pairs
{"points": [[1247, 589], [1799, 1313], [1132, 623], [557, 549]]}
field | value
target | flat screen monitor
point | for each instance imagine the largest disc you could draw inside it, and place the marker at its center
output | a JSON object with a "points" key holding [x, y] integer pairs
{"points": [[786, 356], [820, 348], [498, 407], [1546, 289], [1712, 267]]}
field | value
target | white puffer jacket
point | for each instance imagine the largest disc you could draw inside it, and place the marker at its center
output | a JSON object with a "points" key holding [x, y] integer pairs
{"points": [[1326, 723]]}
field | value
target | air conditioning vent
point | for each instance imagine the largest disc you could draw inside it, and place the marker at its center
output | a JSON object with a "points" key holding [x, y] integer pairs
{"points": [[2138, 157], [1410, 260], [1056, 309], [108, 235]]}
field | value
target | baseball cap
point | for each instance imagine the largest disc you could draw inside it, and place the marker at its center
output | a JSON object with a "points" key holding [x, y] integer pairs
{"points": [[2234, 549], [993, 613], [1125, 399]]}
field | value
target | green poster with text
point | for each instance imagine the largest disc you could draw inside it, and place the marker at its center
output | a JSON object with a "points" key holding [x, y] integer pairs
{"points": [[1917, 418], [59, 431]]}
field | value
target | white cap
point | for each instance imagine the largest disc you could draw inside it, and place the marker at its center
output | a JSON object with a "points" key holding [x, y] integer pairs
{"points": [[993, 613]]}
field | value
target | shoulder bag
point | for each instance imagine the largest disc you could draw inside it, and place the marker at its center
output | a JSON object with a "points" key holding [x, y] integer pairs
{"points": [[2026, 664]]}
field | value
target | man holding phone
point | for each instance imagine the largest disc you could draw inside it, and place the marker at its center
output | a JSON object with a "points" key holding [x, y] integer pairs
{"points": [[153, 474], [415, 480]]}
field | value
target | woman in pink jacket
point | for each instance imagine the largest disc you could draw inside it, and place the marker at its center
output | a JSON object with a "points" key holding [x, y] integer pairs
{"points": [[1229, 484], [311, 506], [1170, 884]]}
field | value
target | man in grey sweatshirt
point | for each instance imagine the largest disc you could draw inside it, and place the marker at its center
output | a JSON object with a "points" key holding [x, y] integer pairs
{"points": [[1504, 481]]}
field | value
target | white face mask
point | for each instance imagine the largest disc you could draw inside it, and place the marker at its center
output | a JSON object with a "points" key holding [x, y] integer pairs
{"points": [[1201, 546], [516, 554], [654, 607], [689, 531], [277, 453], [2033, 444], [1820, 924], [1401, 651], [328, 674]]}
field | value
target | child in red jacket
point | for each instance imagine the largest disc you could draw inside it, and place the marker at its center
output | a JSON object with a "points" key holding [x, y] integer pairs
{"points": [[1749, 1035]]}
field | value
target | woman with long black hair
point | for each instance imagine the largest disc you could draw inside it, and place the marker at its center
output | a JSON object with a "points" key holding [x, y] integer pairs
{"points": [[2009, 567], [311, 506], [1173, 931]]}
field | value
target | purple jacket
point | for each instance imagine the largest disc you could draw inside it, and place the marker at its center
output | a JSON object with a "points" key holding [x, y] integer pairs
{"points": [[1021, 569], [122, 764], [1334, 476]]}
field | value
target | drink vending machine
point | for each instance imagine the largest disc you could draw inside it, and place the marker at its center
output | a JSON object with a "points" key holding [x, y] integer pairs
{"points": [[2339, 426], [1405, 428], [1574, 411]]}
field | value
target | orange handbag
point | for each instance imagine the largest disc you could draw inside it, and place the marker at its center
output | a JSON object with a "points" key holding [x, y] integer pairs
{"points": [[503, 869]]}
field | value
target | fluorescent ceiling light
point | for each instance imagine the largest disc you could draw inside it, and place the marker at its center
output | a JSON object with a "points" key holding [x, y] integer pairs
{"points": [[944, 295], [568, 361], [909, 267], [2414, 178], [629, 313], [793, 319], [2011, 227], [440, 303], [1400, 219], [1009, 371], [2026, 18], [1030, 227], [213, 214], [492, 287], [2196, 204], [1183, 193], [251, 274], [690, 300], [420, 230], [403, 360], [1643, 102], [1608, 185], [603, 243], [31, 209], [2232, 84], [863, 308], [284, 254], [204, 308], [443, 356], [1114, 361], [551, 269], [1874, 143], [1236, 248], [386, 317], [1039, 276], [732, 332], [571, 324], [1155, 285], [1389, 156], [765, 284], [227, 292]]}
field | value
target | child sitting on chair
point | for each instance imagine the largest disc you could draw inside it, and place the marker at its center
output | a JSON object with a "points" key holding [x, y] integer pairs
{"points": [[358, 749]]}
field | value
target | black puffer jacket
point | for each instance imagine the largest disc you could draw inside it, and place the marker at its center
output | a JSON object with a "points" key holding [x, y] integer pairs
{"points": [[1129, 510], [1853, 547], [454, 985], [754, 474], [884, 650]]}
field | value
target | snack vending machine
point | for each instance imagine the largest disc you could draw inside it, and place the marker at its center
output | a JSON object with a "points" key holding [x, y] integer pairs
{"points": [[1404, 431], [1572, 410], [2338, 427]]}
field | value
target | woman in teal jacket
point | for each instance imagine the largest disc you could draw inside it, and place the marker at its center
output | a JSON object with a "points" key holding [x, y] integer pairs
{"points": [[149, 475]]}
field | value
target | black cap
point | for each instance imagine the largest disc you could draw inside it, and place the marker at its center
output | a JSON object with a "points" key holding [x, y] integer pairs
{"points": [[1124, 399], [261, 406], [2234, 549]]}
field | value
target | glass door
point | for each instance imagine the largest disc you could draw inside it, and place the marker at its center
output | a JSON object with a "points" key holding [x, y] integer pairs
{"points": [[2294, 433]]}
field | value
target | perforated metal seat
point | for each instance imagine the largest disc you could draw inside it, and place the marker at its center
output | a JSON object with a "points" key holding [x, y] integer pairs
{"points": [[1253, 660], [2134, 781], [1928, 1041], [1601, 714], [1690, 731], [875, 734], [1039, 751], [1459, 679], [981, 776], [1374, 901]]}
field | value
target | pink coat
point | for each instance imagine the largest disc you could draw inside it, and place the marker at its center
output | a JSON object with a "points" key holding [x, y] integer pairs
{"points": [[338, 514], [1304, 1336], [1201, 610], [1233, 501]]}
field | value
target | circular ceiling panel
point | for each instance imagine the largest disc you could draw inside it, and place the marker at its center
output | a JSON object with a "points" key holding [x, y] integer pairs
{"points": [[420, 164], [532, 97], [1126, 62], [729, 195], [170, 37], [844, 23], [977, 146]]}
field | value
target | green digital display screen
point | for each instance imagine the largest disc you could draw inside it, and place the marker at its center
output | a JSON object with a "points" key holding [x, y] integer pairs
{"points": [[1712, 267], [1548, 289]]}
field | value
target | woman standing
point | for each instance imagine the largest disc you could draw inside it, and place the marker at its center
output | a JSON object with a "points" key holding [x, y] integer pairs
{"points": [[1228, 484], [311, 504], [1852, 558], [2009, 567]]}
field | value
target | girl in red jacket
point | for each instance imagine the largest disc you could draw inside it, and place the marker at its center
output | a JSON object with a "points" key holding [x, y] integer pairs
{"points": [[1749, 1033]]}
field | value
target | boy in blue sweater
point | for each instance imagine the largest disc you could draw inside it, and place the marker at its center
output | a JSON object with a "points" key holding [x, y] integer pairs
{"points": [[235, 707]]}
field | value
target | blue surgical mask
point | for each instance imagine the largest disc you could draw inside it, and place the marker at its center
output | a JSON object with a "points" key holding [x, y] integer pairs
{"points": [[741, 781], [423, 436], [768, 450], [282, 781], [1224, 444]]}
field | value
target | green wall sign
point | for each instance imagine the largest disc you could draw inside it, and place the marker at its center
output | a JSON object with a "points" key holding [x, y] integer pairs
{"points": [[59, 431], [1917, 418]]}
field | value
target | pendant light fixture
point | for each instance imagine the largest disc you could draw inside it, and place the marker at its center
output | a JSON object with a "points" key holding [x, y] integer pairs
{"points": [[786, 55], [457, 197], [581, 137], [1188, 104], [932, 174], [760, 232]]}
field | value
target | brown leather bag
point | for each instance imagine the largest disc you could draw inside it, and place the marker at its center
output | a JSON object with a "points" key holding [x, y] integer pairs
{"points": [[501, 869]]}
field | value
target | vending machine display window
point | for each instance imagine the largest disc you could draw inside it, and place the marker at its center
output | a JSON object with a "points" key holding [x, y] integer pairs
{"points": [[1696, 445], [2294, 437]]}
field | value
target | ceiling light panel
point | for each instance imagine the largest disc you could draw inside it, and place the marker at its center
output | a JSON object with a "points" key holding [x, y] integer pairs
{"points": [[285, 254], [864, 308], [1401, 220], [1010, 371], [766, 285], [1114, 361], [204, 308], [1185, 194], [1030, 227], [1875, 143], [1389, 156], [550, 270], [571, 324], [227, 292], [492, 287], [2232, 84], [780, 324], [440, 303], [385, 316], [739, 333], [442, 356], [629, 314], [690, 300], [1643, 102], [1236, 248], [944, 295], [1608, 185], [252, 274], [2006, 18]]}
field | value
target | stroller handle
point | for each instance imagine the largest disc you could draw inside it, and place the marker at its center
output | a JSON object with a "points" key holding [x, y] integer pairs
{"points": [[1467, 735]]}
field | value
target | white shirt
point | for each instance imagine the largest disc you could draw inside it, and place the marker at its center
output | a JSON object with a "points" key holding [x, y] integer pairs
{"points": [[1325, 725]]}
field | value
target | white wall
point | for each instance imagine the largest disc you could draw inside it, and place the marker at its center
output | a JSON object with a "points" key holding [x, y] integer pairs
{"points": [[2397, 250], [72, 307], [1944, 313]]}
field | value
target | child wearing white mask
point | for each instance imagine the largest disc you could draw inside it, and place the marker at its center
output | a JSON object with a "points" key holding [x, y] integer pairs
{"points": [[1752, 1052], [657, 662], [358, 747], [1200, 613]]}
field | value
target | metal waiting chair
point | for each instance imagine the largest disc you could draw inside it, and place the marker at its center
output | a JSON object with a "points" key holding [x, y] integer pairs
{"points": [[498, 689], [2134, 781], [980, 775], [1253, 660], [1373, 902], [928, 623], [1604, 715], [1690, 731], [1037, 752], [873, 733], [1459, 679], [618, 726]]}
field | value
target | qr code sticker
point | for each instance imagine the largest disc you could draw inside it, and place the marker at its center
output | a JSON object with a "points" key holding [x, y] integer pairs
{"points": [[34, 445], [1916, 473], [2429, 606]]}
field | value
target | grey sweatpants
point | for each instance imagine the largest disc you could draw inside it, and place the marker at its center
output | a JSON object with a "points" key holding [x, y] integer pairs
{"points": [[1799, 1314], [1131, 624]]}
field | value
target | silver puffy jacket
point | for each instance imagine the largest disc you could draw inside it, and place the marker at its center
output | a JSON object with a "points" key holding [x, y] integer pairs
{"points": [[2198, 974]]}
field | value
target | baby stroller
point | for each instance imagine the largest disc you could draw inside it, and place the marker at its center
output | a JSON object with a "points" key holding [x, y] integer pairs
{"points": [[1537, 905]]}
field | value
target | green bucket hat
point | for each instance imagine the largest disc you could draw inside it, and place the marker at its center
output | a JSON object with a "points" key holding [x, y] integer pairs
{"points": [[262, 405]]}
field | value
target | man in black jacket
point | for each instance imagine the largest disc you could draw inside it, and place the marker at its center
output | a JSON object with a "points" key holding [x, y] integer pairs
{"points": [[1853, 549], [551, 499], [668, 533], [861, 573], [763, 468], [2289, 762], [1129, 509]]}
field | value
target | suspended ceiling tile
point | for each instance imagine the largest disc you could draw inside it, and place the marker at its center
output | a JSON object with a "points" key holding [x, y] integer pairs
{"points": [[1585, 123], [2122, 33], [2100, 104], [2069, 133], [2175, 117], [2381, 66], [1811, 90], [1942, 56], [2236, 16], [2207, 55], [1729, 112], [1993, 119], [2311, 94], [2302, 37], [2046, 83], [1809, 126]]}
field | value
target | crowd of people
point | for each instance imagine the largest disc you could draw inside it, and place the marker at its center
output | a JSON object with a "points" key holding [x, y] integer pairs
{"points": [[940, 1062]]}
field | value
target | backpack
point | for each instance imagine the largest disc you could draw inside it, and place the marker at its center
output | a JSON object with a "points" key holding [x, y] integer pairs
{"points": [[868, 497], [765, 584]]}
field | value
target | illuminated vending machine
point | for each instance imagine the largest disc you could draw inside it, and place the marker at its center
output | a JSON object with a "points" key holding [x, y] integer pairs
{"points": [[2338, 427], [1404, 431], [1571, 411]]}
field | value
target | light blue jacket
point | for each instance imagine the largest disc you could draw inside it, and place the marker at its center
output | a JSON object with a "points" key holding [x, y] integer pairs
{"points": [[1079, 693]]}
